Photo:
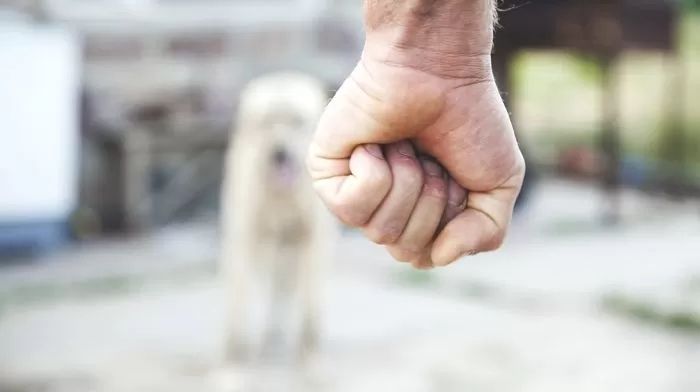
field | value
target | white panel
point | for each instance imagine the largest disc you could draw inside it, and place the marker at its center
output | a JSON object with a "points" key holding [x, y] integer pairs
{"points": [[39, 106]]}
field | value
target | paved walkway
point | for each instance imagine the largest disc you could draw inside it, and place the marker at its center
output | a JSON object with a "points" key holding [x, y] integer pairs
{"points": [[143, 314]]}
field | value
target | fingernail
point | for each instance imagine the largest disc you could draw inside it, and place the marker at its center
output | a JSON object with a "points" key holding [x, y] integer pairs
{"points": [[406, 149], [445, 262], [432, 168], [374, 150], [469, 253]]}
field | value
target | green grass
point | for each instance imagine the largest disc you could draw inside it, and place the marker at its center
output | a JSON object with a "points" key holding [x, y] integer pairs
{"points": [[680, 320], [48, 291], [475, 289], [692, 286], [36, 293], [574, 227], [416, 278], [468, 289]]}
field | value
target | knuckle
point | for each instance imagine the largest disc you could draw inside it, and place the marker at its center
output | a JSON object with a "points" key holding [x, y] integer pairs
{"points": [[378, 180], [383, 235], [435, 187], [494, 242], [348, 214], [411, 179], [412, 248], [401, 255]]}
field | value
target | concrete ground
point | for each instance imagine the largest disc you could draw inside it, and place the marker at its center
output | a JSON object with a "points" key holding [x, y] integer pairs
{"points": [[568, 304]]}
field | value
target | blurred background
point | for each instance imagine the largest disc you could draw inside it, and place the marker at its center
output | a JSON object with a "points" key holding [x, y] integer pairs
{"points": [[114, 118]]}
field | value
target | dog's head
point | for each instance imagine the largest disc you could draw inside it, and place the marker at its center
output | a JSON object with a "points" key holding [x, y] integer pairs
{"points": [[282, 111]]}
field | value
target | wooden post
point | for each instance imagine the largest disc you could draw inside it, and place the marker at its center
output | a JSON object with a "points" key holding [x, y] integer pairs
{"points": [[137, 171], [676, 121], [610, 141]]}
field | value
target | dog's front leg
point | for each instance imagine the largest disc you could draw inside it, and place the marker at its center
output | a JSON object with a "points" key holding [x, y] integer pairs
{"points": [[313, 258], [236, 275]]}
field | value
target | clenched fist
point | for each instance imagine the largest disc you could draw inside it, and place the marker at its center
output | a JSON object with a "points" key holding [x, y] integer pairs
{"points": [[417, 148]]}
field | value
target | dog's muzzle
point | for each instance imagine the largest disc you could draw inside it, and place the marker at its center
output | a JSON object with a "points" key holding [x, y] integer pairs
{"points": [[284, 168]]}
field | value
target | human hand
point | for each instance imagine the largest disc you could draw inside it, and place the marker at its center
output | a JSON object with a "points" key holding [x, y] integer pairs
{"points": [[420, 200], [443, 100]]}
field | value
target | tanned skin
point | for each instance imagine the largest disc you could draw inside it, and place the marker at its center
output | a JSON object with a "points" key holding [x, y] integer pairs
{"points": [[417, 148]]}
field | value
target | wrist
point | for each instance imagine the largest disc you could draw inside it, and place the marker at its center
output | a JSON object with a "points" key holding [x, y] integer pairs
{"points": [[452, 38]]}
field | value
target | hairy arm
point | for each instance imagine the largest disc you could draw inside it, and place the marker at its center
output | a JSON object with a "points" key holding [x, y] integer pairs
{"points": [[450, 37]]}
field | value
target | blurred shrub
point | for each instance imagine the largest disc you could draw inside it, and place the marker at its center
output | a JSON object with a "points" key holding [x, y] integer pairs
{"points": [[692, 4], [687, 320]]}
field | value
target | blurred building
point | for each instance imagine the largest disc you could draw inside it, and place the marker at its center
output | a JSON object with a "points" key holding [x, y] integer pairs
{"points": [[40, 71], [602, 30], [160, 81]]}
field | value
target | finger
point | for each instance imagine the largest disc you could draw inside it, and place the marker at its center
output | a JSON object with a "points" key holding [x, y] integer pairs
{"points": [[456, 202], [419, 260], [362, 113], [480, 228], [425, 218], [388, 222], [423, 261], [353, 197]]}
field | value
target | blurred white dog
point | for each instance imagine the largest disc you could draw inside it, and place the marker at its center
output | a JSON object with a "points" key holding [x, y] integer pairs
{"points": [[276, 234]]}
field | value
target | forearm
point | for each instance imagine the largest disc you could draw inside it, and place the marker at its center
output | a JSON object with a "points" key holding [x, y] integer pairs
{"points": [[431, 33]]}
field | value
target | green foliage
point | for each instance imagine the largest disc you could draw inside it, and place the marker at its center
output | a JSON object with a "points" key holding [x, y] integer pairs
{"points": [[672, 144], [560, 80], [588, 68], [693, 5]]}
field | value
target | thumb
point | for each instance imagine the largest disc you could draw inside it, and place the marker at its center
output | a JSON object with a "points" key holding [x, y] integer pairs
{"points": [[481, 227]]}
